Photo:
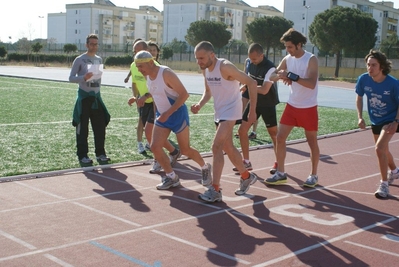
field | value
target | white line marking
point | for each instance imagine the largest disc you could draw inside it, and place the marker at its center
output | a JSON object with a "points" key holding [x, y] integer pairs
{"points": [[224, 255], [371, 248], [39, 190], [107, 214], [330, 241], [17, 240], [57, 260], [280, 224]]}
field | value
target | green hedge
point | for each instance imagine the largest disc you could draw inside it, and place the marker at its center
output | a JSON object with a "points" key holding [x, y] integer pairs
{"points": [[63, 58], [60, 58], [118, 60]]}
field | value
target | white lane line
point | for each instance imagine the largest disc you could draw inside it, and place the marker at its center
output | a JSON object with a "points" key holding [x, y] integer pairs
{"points": [[39, 190], [282, 225], [107, 214], [324, 243], [372, 248], [57, 260], [17, 240], [213, 251]]}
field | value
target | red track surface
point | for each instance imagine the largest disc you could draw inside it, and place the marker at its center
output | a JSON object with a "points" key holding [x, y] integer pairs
{"points": [[116, 217]]}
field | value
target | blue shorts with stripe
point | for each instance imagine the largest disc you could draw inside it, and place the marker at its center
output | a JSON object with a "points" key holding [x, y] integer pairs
{"points": [[177, 122]]}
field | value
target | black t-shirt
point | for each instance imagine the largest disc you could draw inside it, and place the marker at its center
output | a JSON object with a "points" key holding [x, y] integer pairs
{"points": [[258, 73]]}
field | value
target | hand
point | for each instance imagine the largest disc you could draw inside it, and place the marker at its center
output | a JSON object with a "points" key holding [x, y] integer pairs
{"points": [[131, 101], [141, 101], [163, 117], [251, 117], [243, 88], [361, 124], [390, 128], [126, 79], [88, 75], [195, 108]]}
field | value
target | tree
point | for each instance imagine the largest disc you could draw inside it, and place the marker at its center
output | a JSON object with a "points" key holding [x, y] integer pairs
{"points": [[3, 52], [267, 31], [177, 46], [205, 30], [390, 46], [167, 53], [69, 48], [343, 29], [37, 47]]}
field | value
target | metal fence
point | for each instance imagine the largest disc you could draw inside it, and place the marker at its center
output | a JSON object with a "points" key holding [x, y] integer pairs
{"points": [[235, 52]]}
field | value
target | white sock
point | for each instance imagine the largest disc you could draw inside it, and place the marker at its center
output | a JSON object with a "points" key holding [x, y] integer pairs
{"points": [[171, 175], [246, 161], [395, 171], [384, 182]]}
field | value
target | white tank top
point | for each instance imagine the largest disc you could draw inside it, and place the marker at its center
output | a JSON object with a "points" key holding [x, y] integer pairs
{"points": [[164, 96], [300, 96], [226, 94]]}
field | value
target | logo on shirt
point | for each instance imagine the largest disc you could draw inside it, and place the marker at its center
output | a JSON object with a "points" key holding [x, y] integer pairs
{"points": [[214, 79]]}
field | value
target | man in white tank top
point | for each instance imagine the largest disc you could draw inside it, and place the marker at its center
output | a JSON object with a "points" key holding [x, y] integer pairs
{"points": [[169, 96], [223, 84], [299, 70]]}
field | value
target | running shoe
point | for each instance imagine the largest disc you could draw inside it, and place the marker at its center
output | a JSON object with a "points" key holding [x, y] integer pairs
{"points": [[156, 167], [244, 184], [173, 159], [207, 175], [140, 148], [211, 195], [252, 135], [311, 181], [392, 176], [274, 168], [382, 191], [103, 159], [168, 182], [277, 179], [248, 166]]}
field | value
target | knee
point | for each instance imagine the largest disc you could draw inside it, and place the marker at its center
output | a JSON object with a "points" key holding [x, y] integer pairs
{"points": [[379, 150]]}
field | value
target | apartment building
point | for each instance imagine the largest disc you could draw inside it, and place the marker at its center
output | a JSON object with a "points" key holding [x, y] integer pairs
{"points": [[112, 24], [303, 12], [179, 14]]}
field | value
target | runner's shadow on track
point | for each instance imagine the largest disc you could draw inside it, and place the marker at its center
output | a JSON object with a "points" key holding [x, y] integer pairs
{"points": [[219, 227], [306, 247], [117, 188], [324, 158]]}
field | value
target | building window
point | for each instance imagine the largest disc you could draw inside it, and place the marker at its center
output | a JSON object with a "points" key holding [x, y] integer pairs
{"points": [[304, 2]]}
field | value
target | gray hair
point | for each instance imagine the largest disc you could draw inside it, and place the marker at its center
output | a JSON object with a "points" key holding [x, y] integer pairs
{"points": [[143, 55]]}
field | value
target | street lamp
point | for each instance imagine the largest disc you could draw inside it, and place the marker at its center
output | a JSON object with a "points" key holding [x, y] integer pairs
{"points": [[41, 17], [167, 24], [306, 20]]}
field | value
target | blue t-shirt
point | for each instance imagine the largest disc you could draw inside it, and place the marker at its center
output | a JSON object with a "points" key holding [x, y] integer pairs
{"points": [[382, 98]]}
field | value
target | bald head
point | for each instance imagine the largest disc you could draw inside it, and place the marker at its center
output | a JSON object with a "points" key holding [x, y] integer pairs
{"points": [[139, 46]]}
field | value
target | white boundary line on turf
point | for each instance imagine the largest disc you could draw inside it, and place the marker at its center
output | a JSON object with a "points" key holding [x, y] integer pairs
{"points": [[145, 162]]}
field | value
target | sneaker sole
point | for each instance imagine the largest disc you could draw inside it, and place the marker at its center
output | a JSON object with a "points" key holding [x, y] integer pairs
{"points": [[310, 185], [280, 182], [207, 201], [154, 171], [172, 185], [379, 196]]}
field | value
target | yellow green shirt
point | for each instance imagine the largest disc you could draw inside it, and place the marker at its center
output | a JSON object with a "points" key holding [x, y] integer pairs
{"points": [[140, 81]]}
